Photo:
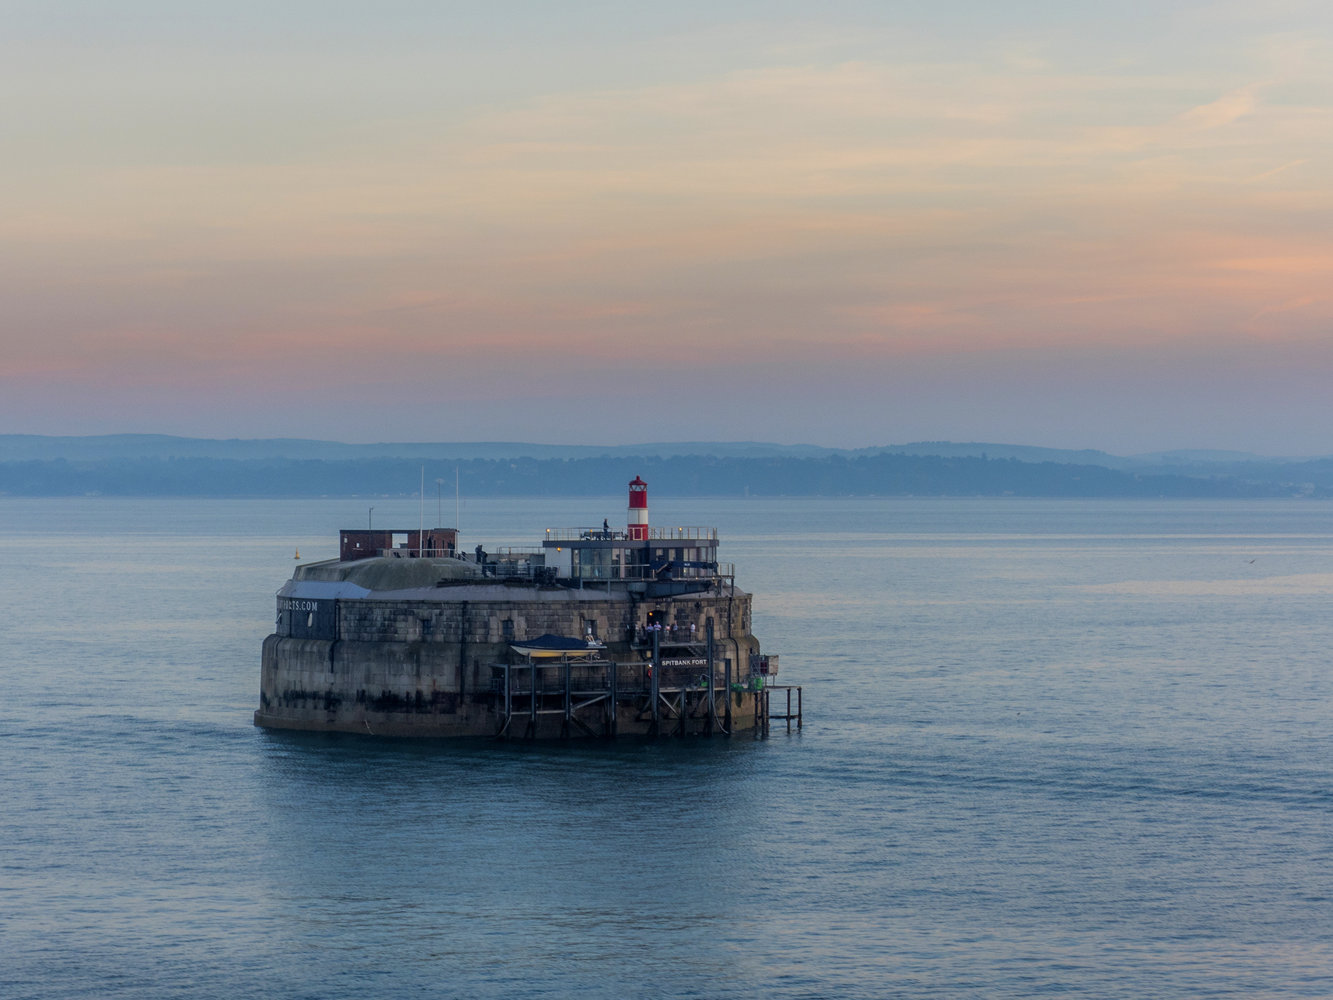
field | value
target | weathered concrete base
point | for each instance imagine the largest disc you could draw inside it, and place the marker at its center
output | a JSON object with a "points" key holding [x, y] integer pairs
{"points": [[382, 724], [421, 689], [480, 721]]}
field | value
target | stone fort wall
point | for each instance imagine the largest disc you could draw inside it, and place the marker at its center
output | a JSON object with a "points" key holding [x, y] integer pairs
{"points": [[424, 667]]}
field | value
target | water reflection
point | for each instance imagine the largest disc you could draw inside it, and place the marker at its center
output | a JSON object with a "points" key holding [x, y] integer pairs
{"points": [[466, 858]]}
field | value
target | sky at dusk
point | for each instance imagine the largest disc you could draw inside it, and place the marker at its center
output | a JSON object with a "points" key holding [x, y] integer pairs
{"points": [[848, 224]]}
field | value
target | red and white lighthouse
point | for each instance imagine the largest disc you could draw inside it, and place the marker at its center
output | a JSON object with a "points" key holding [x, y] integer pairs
{"points": [[637, 529]]}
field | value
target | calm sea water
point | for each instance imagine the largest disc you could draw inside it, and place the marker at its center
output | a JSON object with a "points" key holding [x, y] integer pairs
{"points": [[1074, 749]]}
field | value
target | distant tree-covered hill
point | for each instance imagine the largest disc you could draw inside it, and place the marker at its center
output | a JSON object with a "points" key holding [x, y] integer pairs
{"points": [[881, 473], [36, 447]]}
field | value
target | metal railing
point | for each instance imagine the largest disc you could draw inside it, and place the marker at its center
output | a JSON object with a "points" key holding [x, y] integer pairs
{"points": [[615, 534], [404, 552], [526, 570], [648, 573], [530, 562]]}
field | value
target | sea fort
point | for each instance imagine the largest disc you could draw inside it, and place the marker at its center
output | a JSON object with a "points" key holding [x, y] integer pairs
{"points": [[595, 632]]}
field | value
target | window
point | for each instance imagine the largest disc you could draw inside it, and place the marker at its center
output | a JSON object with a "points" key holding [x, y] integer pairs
{"points": [[507, 629]]}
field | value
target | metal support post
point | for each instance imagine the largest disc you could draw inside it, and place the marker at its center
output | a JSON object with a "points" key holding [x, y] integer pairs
{"points": [[568, 704], [726, 713], [656, 677], [710, 720], [712, 694], [532, 708]]}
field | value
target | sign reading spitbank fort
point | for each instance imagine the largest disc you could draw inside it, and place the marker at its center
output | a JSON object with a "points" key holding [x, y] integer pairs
{"points": [[595, 632]]}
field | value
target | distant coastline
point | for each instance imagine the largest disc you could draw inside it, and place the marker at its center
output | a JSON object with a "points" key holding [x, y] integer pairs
{"points": [[154, 465]]}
